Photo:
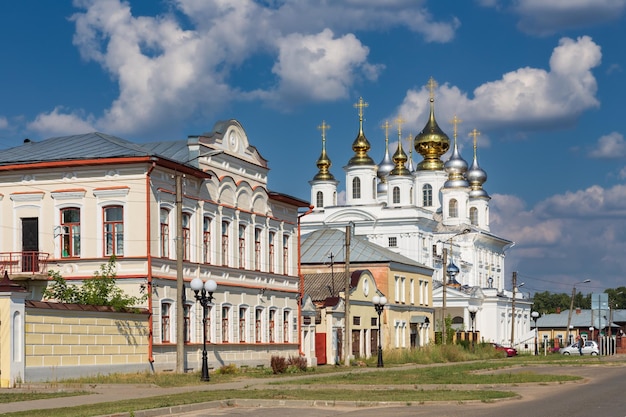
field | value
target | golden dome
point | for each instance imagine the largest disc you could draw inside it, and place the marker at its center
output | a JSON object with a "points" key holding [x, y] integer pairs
{"points": [[323, 162], [361, 145], [431, 142]]}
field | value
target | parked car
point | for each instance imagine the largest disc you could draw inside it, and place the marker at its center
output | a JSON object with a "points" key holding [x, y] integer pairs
{"points": [[590, 348], [509, 351]]}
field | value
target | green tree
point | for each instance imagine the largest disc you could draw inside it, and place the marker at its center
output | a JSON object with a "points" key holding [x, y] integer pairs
{"points": [[101, 290]]}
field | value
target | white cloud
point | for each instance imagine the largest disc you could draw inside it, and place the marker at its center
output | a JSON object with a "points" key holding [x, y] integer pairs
{"points": [[544, 17], [320, 66], [57, 122], [610, 146], [526, 99], [4, 123]]}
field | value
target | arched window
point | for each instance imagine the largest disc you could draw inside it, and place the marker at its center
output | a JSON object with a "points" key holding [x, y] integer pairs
{"points": [[453, 210], [257, 249], [70, 232], [319, 199], [166, 329], [285, 254], [242, 246], [427, 195], [225, 226], [396, 195], [474, 216], [206, 240], [356, 188], [165, 233], [186, 236]]}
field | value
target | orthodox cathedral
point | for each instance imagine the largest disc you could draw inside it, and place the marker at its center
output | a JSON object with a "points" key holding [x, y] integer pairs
{"points": [[418, 211]]}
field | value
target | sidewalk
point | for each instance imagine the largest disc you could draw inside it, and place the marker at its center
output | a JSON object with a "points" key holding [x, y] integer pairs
{"points": [[118, 392]]}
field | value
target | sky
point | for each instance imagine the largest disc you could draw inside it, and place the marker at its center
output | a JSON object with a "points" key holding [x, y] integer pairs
{"points": [[543, 81]]}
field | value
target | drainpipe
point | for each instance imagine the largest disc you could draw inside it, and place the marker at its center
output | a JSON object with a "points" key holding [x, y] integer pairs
{"points": [[149, 259]]}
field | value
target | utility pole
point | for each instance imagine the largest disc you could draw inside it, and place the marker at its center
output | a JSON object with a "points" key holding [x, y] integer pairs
{"points": [[513, 309], [443, 305], [180, 283], [348, 336]]}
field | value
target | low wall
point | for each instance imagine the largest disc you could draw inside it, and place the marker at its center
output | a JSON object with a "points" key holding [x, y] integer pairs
{"points": [[69, 340]]}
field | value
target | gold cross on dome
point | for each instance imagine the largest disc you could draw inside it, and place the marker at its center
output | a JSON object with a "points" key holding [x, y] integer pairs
{"points": [[323, 127], [455, 122], [386, 127], [432, 84], [361, 105], [400, 122]]}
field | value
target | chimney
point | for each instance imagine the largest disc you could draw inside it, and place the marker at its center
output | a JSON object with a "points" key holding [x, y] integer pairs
{"points": [[558, 310], [577, 310]]}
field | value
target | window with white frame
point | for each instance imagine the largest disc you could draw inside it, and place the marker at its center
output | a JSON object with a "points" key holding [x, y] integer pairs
{"points": [[243, 324], [285, 254], [186, 323], [319, 199], [165, 232], [397, 289], [257, 249], [356, 188], [70, 232], [393, 242], [113, 231], [242, 246], [427, 195], [206, 240], [225, 226], [272, 237], [453, 208], [258, 325], [286, 332], [272, 326], [225, 324], [403, 290], [474, 216], [186, 236], [166, 329], [396, 195], [412, 291]]}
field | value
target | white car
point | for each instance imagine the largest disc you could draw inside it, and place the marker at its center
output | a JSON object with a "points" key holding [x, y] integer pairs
{"points": [[590, 348]]}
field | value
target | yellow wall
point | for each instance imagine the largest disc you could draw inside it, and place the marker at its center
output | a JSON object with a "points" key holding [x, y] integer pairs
{"points": [[56, 338]]}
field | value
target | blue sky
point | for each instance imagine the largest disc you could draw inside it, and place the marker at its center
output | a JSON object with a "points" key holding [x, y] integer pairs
{"points": [[542, 80]]}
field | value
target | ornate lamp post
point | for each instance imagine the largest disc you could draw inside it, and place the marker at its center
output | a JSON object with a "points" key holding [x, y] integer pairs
{"points": [[204, 294], [379, 305], [472, 310], [535, 316]]}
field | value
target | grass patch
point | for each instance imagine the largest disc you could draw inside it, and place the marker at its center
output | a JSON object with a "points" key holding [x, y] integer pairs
{"points": [[401, 395], [31, 396]]}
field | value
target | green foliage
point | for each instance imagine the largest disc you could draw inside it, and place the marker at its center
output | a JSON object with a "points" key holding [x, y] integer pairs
{"points": [[101, 290]]}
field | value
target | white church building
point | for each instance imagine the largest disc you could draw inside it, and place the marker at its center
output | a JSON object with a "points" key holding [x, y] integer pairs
{"points": [[420, 211]]}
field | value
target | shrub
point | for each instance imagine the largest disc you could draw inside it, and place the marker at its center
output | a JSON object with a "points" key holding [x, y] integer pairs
{"points": [[298, 362], [279, 364], [229, 369]]}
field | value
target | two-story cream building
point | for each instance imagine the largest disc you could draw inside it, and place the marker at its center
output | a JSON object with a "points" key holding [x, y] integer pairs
{"points": [[169, 212]]}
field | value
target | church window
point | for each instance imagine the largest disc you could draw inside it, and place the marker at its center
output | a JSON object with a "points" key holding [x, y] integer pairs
{"points": [[427, 192], [474, 216], [396, 195], [453, 209], [393, 242], [356, 188], [319, 199]]}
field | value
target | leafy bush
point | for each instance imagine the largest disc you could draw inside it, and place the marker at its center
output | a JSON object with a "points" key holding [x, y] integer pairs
{"points": [[100, 290], [278, 364]]}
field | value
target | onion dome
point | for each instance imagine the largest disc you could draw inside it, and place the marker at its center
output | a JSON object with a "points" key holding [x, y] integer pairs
{"points": [[323, 162], [399, 157], [386, 165], [456, 166], [476, 175], [431, 142], [361, 145]]}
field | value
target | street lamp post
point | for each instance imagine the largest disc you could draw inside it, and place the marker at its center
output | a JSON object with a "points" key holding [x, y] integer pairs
{"points": [[535, 316], [571, 307], [379, 305], [204, 294], [472, 310]]}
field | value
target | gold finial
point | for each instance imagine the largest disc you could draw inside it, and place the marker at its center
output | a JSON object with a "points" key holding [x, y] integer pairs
{"points": [[400, 122], [323, 127], [360, 105], [386, 127], [432, 84], [455, 123], [475, 133]]}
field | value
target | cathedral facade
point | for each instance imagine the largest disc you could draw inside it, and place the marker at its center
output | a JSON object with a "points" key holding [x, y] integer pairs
{"points": [[436, 213]]}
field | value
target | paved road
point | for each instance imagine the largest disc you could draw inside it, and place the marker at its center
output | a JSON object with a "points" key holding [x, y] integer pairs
{"points": [[601, 394]]}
